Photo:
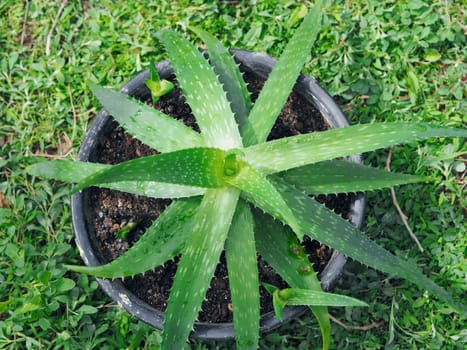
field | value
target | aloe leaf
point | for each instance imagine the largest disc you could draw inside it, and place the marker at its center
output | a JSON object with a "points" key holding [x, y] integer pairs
{"points": [[197, 264], [229, 75], [65, 170], [263, 194], [282, 79], [297, 296], [240, 252], [339, 176], [278, 245], [162, 241], [149, 125], [277, 303], [73, 172], [323, 225], [292, 152], [202, 167], [202, 91]]}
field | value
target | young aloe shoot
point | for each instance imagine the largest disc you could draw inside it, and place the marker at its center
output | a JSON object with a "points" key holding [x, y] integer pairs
{"points": [[298, 296], [126, 229], [159, 87]]}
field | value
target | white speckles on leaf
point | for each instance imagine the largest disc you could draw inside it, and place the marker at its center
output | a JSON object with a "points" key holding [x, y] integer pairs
{"points": [[281, 80], [203, 92], [169, 233], [199, 167], [288, 153], [243, 276], [139, 120], [338, 176], [337, 233], [198, 263]]}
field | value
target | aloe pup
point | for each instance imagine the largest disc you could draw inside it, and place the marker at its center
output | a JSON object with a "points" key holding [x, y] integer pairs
{"points": [[157, 86], [234, 191]]}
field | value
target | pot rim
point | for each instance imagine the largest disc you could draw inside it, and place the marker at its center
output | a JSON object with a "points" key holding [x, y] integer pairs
{"points": [[261, 64]]}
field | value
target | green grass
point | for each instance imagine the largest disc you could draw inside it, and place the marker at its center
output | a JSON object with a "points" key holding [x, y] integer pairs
{"points": [[382, 60]]}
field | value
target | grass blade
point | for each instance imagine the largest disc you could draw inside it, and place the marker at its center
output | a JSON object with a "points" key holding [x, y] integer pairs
{"points": [[338, 176], [330, 229], [282, 79], [229, 76], [296, 151], [197, 265], [73, 172], [160, 243], [201, 167], [151, 126], [278, 245], [202, 91], [243, 278]]}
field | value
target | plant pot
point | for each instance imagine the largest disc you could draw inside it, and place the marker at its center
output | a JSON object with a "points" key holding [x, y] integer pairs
{"points": [[260, 65]]}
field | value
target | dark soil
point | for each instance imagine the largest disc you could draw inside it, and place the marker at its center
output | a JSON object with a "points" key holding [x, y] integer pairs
{"points": [[112, 209]]}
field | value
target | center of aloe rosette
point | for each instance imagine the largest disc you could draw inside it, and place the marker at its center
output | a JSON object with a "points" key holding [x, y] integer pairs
{"points": [[231, 163]]}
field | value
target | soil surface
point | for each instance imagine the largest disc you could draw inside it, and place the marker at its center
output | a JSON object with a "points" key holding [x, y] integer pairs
{"points": [[112, 209]]}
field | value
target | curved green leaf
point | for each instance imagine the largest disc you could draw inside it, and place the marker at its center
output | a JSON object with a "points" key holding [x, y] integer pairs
{"points": [[74, 172], [240, 252], [197, 264], [203, 92], [296, 151], [323, 225], [201, 167], [147, 124], [297, 296], [229, 75], [162, 241], [278, 245], [339, 176], [282, 79], [70, 171]]}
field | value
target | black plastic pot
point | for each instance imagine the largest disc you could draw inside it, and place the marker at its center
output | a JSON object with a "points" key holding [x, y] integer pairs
{"points": [[260, 65]]}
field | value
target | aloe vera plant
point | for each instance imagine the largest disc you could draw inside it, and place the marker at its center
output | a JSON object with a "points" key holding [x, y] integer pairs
{"points": [[234, 191]]}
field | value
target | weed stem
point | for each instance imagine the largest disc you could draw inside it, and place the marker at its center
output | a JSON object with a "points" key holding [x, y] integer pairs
{"points": [[398, 208], [54, 24]]}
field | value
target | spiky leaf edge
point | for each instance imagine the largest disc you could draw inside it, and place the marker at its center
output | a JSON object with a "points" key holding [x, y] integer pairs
{"points": [[161, 242], [75, 172], [147, 124], [340, 176], [323, 225], [202, 91], [199, 167], [282, 78], [240, 252], [229, 75], [278, 245], [197, 264], [296, 151]]}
